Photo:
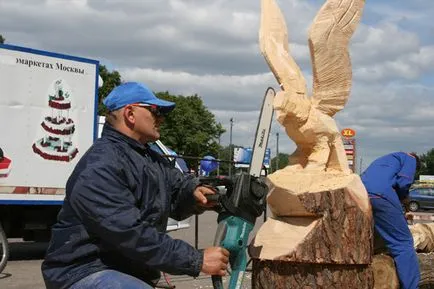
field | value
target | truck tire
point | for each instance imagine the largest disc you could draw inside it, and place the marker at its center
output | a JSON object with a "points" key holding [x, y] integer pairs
{"points": [[4, 249]]}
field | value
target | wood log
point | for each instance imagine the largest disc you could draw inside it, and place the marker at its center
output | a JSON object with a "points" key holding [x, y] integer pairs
{"points": [[287, 275], [423, 236], [385, 272], [284, 275], [426, 265]]}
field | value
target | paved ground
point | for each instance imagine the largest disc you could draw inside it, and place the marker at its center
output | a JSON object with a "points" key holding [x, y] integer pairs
{"points": [[23, 269]]}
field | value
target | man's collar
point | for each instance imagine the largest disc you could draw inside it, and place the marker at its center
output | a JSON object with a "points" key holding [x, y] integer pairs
{"points": [[110, 132]]}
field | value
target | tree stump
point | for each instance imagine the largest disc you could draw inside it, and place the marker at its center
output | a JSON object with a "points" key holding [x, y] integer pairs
{"points": [[318, 237]]}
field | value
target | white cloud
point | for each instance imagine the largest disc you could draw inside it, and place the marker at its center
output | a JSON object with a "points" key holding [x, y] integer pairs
{"points": [[210, 48], [383, 42]]}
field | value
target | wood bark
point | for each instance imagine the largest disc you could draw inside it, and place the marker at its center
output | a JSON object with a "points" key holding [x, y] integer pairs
{"points": [[426, 265], [380, 275], [342, 234], [287, 275]]}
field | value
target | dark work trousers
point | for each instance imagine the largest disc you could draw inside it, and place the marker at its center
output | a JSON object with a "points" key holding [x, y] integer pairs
{"points": [[110, 279], [392, 226]]}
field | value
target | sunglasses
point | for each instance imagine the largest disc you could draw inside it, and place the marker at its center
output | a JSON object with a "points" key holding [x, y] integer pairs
{"points": [[155, 110]]}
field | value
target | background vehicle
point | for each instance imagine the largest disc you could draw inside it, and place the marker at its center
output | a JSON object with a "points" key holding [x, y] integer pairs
{"points": [[421, 198]]}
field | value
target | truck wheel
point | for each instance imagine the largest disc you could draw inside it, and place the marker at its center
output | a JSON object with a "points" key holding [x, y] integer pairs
{"points": [[4, 249], [413, 206]]}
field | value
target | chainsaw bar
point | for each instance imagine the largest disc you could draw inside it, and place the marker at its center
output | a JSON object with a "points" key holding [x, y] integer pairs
{"points": [[262, 133]]}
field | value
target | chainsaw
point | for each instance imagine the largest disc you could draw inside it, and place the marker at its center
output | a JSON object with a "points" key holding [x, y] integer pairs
{"points": [[243, 202]]}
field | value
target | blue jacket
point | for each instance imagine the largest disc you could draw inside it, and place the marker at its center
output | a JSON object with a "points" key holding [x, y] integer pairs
{"points": [[118, 200], [390, 175]]}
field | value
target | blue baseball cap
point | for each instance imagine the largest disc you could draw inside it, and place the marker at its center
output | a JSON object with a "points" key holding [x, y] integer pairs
{"points": [[135, 92]]}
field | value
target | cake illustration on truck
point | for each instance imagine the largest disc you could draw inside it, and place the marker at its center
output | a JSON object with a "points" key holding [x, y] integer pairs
{"points": [[5, 165], [59, 128]]}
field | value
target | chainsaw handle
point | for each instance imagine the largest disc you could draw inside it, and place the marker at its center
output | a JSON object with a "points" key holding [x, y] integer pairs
{"points": [[220, 235], [213, 198], [217, 282]]}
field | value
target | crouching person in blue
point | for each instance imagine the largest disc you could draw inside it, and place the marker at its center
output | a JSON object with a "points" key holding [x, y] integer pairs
{"points": [[111, 231], [387, 181]]}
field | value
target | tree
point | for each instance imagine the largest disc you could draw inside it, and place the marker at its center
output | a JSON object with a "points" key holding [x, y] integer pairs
{"points": [[110, 81], [224, 155], [191, 129], [283, 162], [2, 39], [427, 160]]}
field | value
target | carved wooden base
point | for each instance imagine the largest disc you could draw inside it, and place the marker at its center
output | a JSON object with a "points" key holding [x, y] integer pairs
{"points": [[320, 234], [319, 218], [287, 275]]}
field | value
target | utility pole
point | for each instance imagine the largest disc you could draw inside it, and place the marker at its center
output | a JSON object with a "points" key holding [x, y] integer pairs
{"points": [[360, 166], [277, 151], [218, 157], [230, 146]]}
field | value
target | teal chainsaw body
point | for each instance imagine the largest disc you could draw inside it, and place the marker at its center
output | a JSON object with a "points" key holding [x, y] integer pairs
{"points": [[243, 202], [238, 210], [235, 241]]}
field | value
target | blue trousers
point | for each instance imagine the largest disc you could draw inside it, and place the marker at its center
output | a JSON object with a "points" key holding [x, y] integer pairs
{"points": [[392, 226], [110, 279]]}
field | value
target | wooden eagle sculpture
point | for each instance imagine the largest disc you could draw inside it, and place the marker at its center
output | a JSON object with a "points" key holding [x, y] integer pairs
{"points": [[309, 120]]}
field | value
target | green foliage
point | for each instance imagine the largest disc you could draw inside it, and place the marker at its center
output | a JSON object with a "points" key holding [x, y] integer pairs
{"points": [[111, 80], [278, 162], [2, 39], [190, 129], [224, 155], [427, 167]]}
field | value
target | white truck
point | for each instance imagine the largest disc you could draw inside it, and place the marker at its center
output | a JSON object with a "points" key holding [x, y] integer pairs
{"points": [[48, 119]]}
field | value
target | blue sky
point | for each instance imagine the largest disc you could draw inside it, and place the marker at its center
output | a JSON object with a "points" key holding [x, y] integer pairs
{"points": [[210, 47]]}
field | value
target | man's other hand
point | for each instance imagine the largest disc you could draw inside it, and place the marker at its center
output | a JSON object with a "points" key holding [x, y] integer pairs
{"points": [[215, 261], [200, 195]]}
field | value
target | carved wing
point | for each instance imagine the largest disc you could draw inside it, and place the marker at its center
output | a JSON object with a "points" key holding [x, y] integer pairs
{"points": [[273, 42], [329, 37]]}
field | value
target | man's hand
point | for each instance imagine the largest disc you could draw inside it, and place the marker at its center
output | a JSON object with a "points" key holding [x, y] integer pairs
{"points": [[215, 261], [200, 195]]}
